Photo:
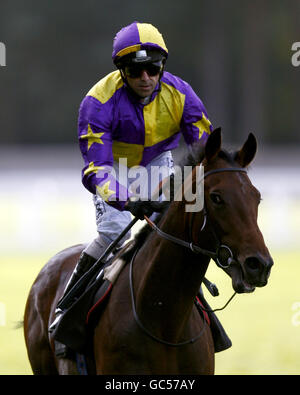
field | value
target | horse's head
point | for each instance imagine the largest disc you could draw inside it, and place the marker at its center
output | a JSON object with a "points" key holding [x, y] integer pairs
{"points": [[231, 204]]}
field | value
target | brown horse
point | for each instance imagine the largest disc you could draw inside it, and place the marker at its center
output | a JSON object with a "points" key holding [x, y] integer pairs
{"points": [[150, 324]]}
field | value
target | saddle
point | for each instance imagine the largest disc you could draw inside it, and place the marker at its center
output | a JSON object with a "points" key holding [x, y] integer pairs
{"points": [[75, 326]]}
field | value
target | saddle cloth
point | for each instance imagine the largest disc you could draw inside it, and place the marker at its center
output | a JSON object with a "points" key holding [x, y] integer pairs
{"points": [[74, 328], [110, 275]]}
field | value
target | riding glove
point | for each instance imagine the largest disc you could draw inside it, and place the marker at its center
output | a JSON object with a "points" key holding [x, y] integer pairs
{"points": [[140, 208]]}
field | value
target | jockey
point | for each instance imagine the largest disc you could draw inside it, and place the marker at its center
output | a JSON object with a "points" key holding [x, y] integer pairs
{"points": [[136, 113]]}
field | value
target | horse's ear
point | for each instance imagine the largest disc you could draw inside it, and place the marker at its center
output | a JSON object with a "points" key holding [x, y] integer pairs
{"points": [[213, 144], [247, 153]]}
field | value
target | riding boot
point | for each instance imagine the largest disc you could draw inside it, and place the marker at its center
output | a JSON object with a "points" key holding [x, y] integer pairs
{"points": [[221, 340], [84, 264]]}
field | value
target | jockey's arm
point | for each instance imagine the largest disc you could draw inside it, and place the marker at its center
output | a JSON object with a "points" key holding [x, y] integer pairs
{"points": [[95, 141]]}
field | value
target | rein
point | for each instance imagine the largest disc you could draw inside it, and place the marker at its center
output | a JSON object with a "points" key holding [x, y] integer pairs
{"points": [[194, 248], [144, 329]]}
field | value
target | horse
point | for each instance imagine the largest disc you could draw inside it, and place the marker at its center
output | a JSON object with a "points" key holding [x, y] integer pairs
{"points": [[150, 324]]}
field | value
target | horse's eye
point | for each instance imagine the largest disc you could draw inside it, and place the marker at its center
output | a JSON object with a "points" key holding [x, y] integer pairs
{"points": [[216, 198]]}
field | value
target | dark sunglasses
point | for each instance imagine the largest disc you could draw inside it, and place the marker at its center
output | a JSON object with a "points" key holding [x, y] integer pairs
{"points": [[135, 71]]}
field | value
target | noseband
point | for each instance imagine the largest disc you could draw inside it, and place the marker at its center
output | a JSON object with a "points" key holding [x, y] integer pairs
{"points": [[216, 256]]}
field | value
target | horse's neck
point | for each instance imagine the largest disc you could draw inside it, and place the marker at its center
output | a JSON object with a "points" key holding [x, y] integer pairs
{"points": [[167, 275]]}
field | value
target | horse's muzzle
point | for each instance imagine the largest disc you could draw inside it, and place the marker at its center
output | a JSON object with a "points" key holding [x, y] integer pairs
{"points": [[257, 269]]}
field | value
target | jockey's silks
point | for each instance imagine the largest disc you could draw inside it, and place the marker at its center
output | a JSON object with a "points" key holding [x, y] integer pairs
{"points": [[114, 124]]}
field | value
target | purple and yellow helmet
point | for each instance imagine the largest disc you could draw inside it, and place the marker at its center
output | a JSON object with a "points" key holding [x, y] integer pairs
{"points": [[138, 42]]}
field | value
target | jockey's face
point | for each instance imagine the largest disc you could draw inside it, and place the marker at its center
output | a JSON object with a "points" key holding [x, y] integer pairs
{"points": [[144, 84]]}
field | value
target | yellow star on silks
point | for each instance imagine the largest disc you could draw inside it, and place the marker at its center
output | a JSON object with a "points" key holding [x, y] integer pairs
{"points": [[93, 169], [92, 137], [104, 191], [203, 125]]}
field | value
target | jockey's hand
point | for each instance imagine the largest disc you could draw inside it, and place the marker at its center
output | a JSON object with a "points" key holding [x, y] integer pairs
{"points": [[139, 208]]}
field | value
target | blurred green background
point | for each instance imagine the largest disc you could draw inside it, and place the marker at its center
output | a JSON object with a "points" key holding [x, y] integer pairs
{"points": [[237, 56]]}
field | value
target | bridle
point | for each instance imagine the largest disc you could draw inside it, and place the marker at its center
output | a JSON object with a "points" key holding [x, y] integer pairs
{"points": [[216, 256], [195, 249]]}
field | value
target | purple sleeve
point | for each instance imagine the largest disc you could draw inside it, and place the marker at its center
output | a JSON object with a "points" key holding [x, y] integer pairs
{"points": [[195, 123], [95, 142]]}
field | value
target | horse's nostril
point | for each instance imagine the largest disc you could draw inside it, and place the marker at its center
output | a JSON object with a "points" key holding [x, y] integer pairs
{"points": [[253, 263], [257, 270]]}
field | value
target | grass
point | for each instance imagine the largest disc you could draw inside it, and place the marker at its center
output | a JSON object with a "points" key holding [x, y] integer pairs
{"points": [[17, 276], [262, 326]]}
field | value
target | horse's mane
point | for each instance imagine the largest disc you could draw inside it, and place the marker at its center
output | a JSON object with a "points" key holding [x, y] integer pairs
{"points": [[194, 157]]}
